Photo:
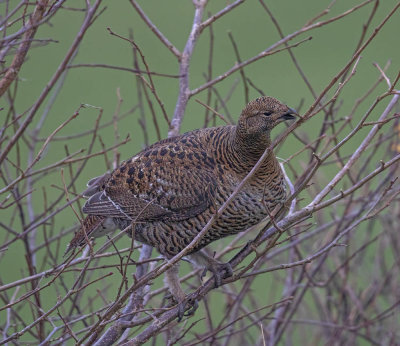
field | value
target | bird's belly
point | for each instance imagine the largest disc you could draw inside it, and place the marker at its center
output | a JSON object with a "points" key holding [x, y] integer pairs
{"points": [[172, 237], [243, 212]]}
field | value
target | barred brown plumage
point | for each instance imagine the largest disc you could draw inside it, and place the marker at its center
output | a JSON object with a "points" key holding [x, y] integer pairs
{"points": [[170, 190]]}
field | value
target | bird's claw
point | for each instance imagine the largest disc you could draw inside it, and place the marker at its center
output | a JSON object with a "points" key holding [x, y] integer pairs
{"points": [[183, 306], [186, 307], [203, 273], [221, 271]]}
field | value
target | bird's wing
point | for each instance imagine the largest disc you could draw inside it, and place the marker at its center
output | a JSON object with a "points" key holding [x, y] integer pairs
{"points": [[96, 184], [158, 186]]}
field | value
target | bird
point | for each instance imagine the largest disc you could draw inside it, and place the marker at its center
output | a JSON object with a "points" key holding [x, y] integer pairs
{"points": [[164, 195]]}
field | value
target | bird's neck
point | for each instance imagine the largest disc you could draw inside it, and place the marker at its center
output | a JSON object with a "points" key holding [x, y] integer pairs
{"points": [[250, 147]]}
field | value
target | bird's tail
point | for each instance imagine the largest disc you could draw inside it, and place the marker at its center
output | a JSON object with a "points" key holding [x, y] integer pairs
{"points": [[93, 226]]}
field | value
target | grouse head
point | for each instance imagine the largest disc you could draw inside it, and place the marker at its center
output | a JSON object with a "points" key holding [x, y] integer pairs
{"points": [[263, 114]]}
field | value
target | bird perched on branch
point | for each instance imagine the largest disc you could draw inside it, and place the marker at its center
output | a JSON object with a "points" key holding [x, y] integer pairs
{"points": [[166, 194]]}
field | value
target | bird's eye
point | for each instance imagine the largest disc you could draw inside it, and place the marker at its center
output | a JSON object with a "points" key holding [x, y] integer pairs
{"points": [[267, 113]]}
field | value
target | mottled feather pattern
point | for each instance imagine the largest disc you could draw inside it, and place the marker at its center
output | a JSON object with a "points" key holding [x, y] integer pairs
{"points": [[169, 191]]}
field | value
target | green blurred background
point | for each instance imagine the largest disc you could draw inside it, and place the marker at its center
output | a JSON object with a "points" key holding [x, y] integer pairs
{"points": [[320, 58]]}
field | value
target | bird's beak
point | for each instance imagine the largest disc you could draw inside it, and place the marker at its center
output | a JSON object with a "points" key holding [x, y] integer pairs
{"points": [[289, 115]]}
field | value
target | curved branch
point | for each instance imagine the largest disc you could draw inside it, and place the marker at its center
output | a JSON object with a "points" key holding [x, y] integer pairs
{"points": [[61, 68], [184, 90], [19, 58]]}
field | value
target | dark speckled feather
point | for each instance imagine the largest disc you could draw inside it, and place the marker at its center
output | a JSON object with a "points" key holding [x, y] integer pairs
{"points": [[171, 189]]}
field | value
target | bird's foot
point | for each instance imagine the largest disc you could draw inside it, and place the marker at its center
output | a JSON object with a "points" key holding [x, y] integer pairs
{"points": [[220, 270], [187, 307], [186, 304]]}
